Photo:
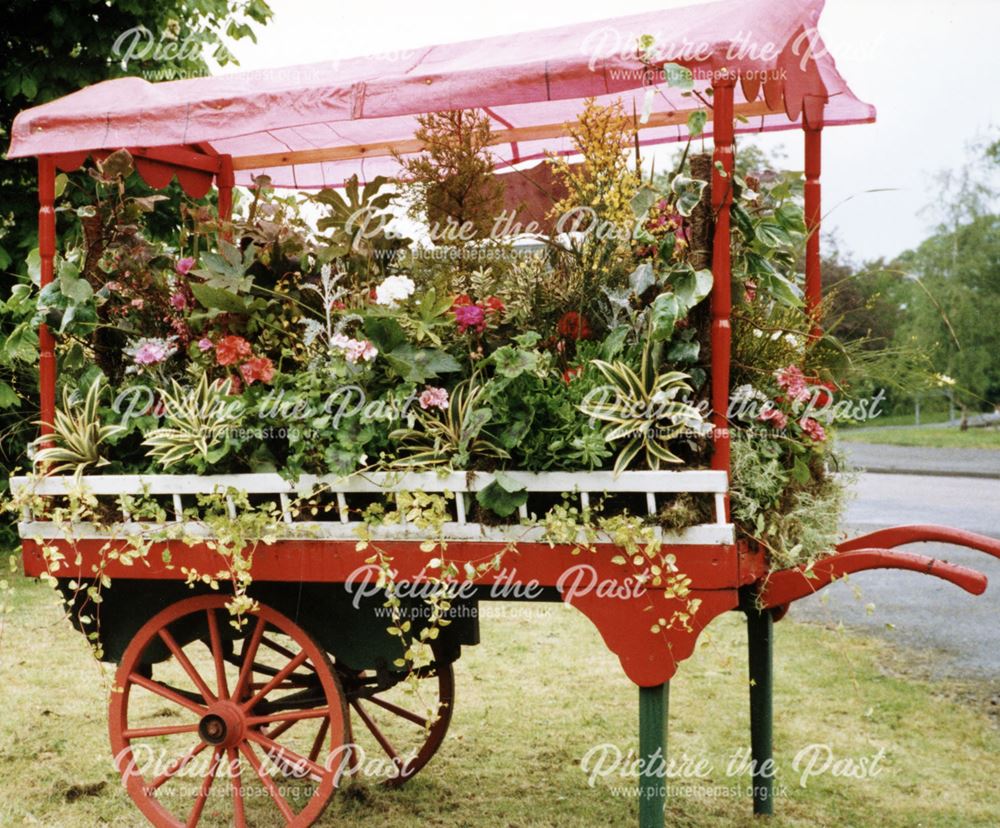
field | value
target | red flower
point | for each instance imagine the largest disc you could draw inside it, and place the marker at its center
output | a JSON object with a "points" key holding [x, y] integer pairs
{"points": [[257, 369], [495, 305], [469, 316], [232, 349], [461, 300], [570, 373], [573, 326]]}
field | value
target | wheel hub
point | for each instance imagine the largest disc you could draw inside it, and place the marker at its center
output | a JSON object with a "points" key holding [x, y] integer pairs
{"points": [[223, 725]]}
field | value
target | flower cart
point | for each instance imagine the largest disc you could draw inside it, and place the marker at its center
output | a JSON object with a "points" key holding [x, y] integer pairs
{"points": [[272, 663]]}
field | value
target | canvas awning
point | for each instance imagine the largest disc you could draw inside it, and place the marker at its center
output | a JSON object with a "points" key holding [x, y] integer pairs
{"points": [[315, 125]]}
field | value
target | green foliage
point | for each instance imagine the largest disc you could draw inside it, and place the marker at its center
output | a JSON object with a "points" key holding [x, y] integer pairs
{"points": [[197, 424], [77, 435], [503, 495], [642, 409], [453, 438], [452, 182], [797, 519]]}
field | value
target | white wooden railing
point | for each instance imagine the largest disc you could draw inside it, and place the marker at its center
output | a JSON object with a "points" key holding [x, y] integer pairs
{"points": [[179, 492]]}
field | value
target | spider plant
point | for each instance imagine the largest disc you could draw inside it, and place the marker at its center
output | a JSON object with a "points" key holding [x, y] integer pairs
{"points": [[642, 409], [77, 435], [451, 437], [196, 423]]}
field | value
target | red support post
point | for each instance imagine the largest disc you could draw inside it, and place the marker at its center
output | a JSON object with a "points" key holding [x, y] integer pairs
{"points": [[224, 181], [722, 199], [813, 213], [46, 254]]}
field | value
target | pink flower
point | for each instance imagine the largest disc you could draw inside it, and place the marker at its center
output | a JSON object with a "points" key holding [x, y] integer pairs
{"points": [[434, 398], [361, 351], [184, 266], [813, 429], [205, 344], [794, 382], [137, 303], [771, 414], [178, 301], [470, 316], [355, 350], [151, 353]]}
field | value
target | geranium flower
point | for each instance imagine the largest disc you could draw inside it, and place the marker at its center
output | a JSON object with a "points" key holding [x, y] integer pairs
{"points": [[151, 352], [571, 373], [355, 350], [258, 369], [393, 290], [232, 349], [573, 325], [178, 301], [433, 397], [794, 382], [773, 415], [495, 305], [470, 316], [205, 344], [813, 429], [183, 266]]}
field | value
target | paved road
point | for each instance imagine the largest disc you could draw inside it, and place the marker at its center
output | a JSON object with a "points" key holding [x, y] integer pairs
{"points": [[918, 460], [927, 613]]}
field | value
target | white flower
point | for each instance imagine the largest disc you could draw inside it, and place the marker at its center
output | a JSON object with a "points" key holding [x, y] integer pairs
{"points": [[393, 290]]}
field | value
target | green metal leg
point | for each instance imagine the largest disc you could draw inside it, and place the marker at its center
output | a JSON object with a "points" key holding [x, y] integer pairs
{"points": [[760, 631], [654, 705]]}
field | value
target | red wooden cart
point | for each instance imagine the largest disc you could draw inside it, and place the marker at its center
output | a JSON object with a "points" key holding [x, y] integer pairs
{"points": [[314, 658]]}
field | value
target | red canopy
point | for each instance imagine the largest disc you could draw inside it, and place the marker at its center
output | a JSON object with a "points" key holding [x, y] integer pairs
{"points": [[315, 125]]}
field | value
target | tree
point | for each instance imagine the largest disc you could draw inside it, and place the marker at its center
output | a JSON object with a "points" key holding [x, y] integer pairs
{"points": [[955, 275], [51, 50]]}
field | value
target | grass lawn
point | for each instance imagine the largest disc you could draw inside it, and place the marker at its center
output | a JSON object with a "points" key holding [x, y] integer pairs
{"points": [[975, 438], [532, 700]]}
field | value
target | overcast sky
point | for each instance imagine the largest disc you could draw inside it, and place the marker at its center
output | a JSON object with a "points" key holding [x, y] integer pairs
{"points": [[930, 68]]}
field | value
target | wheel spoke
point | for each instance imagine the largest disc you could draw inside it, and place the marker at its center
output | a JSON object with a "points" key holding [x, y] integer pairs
{"points": [[279, 752], [277, 679], [247, 657], [167, 693], [217, 654], [317, 744], [399, 711], [175, 766], [236, 788], [296, 715], [282, 728], [274, 645], [270, 787], [183, 660], [152, 732], [206, 786], [379, 736]]}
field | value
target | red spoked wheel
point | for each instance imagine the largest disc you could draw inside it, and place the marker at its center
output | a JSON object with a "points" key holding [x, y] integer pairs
{"points": [[403, 723], [245, 728]]}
